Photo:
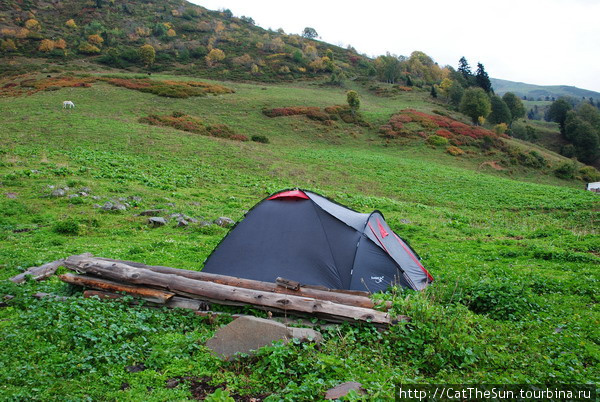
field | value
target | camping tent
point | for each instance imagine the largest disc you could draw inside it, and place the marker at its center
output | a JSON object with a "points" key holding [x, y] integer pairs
{"points": [[305, 237]]}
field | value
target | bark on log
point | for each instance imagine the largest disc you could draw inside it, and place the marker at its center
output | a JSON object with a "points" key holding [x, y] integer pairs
{"points": [[153, 295], [39, 273], [175, 283], [348, 297]]}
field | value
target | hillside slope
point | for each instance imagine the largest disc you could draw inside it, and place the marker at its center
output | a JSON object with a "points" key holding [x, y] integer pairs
{"points": [[182, 34], [533, 92]]}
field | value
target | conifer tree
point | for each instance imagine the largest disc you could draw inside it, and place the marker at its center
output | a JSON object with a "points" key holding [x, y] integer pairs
{"points": [[483, 80]]}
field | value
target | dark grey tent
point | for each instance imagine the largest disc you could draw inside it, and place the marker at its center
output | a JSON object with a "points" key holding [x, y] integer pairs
{"points": [[299, 235]]}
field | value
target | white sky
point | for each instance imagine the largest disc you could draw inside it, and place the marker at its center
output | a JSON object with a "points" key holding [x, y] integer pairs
{"points": [[544, 42]]}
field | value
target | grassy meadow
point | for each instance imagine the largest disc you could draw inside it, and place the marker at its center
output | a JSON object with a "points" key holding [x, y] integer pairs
{"points": [[515, 251]]}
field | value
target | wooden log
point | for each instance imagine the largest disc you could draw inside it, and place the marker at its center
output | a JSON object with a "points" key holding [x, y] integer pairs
{"points": [[153, 295], [175, 283], [39, 273], [287, 283], [348, 297], [173, 302]]}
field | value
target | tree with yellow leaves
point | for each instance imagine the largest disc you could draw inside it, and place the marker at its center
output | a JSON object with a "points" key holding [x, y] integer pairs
{"points": [[32, 25], [60, 44], [147, 54], [8, 45], [171, 33], [46, 45], [95, 40], [71, 24], [214, 56]]}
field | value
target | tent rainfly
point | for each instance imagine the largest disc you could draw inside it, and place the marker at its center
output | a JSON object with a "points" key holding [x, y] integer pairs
{"points": [[305, 237]]}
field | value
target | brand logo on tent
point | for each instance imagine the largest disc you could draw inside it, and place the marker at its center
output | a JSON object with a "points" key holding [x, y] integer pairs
{"points": [[377, 279]]}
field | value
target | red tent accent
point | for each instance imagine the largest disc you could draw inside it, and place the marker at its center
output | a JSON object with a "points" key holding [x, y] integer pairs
{"points": [[382, 230], [294, 194], [413, 257]]}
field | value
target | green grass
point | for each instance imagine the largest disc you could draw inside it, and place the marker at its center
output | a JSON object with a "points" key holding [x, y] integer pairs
{"points": [[515, 253]]}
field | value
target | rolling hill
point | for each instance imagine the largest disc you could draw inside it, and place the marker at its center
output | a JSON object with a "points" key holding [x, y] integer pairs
{"points": [[534, 92]]}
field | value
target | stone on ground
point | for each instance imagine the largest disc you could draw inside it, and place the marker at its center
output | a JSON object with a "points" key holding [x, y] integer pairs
{"points": [[343, 389]]}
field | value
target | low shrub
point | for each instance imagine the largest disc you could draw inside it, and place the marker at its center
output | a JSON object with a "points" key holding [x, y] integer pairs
{"points": [[170, 89], [437, 140], [500, 299], [260, 138], [589, 174], [566, 170], [454, 151], [66, 227], [184, 122]]}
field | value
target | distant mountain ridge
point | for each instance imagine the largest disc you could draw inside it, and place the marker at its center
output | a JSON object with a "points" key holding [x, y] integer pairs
{"points": [[541, 91]]}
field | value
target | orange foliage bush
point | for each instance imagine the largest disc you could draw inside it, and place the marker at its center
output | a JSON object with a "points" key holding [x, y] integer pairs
{"points": [[454, 151], [31, 86], [95, 39], [183, 122], [171, 89], [46, 45], [444, 126]]}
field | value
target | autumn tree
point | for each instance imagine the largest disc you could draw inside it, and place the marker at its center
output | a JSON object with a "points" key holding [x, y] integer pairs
{"points": [[353, 101], [475, 103], [515, 105], [71, 24], [483, 80], [147, 55], [32, 25], [95, 40], [389, 68], [60, 44], [214, 56], [46, 45], [310, 33], [500, 112], [8, 45]]}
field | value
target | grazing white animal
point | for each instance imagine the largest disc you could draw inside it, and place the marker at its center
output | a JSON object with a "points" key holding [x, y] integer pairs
{"points": [[68, 105]]}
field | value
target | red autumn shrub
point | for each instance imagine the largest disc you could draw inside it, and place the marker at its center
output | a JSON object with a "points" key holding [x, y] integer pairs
{"points": [[239, 137]]}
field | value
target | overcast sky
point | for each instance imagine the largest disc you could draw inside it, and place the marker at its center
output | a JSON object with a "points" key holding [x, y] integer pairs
{"points": [[544, 42]]}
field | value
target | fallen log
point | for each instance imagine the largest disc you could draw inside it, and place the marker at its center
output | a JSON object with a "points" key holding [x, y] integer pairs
{"points": [[182, 285], [153, 295], [39, 273], [173, 302], [348, 297]]}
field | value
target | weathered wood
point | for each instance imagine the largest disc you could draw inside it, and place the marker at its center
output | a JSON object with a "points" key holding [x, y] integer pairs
{"points": [[173, 302], [287, 283], [39, 273], [176, 283], [153, 295], [348, 297]]}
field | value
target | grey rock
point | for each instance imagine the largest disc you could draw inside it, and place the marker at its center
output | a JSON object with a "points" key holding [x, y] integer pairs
{"points": [[224, 222], [72, 196], [247, 334], [114, 206], [170, 204], [204, 223], [83, 194], [343, 389], [134, 198], [182, 223], [305, 334], [96, 197], [157, 221], [85, 190], [34, 171], [152, 212], [405, 221], [50, 186], [12, 196], [96, 206], [59, 192]]}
